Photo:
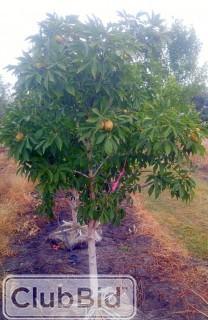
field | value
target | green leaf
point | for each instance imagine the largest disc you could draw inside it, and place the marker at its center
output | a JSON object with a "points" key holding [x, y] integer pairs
{"points": [[48, 143], [39, 134], [50, 174], [82, 67], [100, 138], [61, 66], [50, 77], [95, 110], [59, 142], [151, 189], [70, 90], [94, 68], [28, 145], [108, 147], [167, 148], [45, 82]]}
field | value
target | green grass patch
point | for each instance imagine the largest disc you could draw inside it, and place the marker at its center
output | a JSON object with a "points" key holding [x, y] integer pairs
{"points": [[187, 222]]}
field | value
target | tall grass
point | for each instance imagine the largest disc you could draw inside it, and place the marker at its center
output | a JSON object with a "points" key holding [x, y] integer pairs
{"points": [[187, 223], [15, 200]]}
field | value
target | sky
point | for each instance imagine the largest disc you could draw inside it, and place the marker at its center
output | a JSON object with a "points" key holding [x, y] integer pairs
{"points": [[19, 19]]}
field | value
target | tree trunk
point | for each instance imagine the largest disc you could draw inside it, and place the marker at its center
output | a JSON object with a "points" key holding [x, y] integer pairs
{"points": [[91, 232], [92, 257], [92, 247], [74, 215], [92, 225], [74, 204]]}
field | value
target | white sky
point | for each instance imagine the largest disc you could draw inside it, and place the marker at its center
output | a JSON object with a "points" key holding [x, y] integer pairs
{"points": [[18, 19]]}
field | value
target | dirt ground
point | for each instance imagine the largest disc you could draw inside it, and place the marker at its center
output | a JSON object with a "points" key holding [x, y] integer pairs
{"points": [[170, 283]]}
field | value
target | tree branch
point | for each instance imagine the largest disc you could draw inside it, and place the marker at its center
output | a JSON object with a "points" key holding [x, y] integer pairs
{"points": [[100, 166], [199, 311], [198, 295], [81, 174], [144, 185]]}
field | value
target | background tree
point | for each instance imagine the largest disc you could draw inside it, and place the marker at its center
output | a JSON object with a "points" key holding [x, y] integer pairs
{"points": [[168, 52], [183, 51], [3, 97], [90, 113]]}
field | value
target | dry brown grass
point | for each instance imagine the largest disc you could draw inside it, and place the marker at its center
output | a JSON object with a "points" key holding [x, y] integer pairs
{"points": [[15, 200], [202, 162]]}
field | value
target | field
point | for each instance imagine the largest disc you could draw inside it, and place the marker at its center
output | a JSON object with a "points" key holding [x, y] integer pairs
{"points": [[162, 243], [188, 223]]}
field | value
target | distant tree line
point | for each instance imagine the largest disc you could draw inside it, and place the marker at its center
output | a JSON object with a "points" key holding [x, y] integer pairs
{"points": [[201, 103], [4, 97]]}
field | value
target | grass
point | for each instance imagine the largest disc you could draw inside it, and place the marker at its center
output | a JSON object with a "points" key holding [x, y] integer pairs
{"points": [[188, 223], [15, 200]]}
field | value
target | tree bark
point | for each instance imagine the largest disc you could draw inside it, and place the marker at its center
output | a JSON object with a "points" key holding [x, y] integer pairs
{"points": [[92, 226], [93, 259], [74, 216], [74, 204], [92, 247]]}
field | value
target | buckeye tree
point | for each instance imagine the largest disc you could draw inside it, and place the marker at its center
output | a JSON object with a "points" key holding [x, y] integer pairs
{"points": [[92, 110]]}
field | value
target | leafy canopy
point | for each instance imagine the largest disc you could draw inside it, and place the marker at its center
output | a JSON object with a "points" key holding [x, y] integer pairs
{"points": [[93, 110]]}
